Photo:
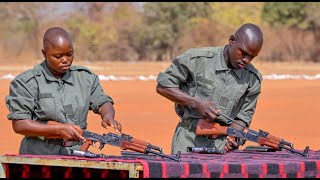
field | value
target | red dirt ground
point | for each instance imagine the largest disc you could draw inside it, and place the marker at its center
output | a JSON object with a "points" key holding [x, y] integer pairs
{"points": [[286, 108]]}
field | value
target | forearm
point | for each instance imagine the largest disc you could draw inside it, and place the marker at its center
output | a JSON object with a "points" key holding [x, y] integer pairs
{"points": [[177, 96], [32, 128]]}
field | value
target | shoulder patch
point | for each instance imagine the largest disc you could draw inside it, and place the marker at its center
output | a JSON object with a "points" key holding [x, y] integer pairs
{"points": [[252, 69], [79, 68]]}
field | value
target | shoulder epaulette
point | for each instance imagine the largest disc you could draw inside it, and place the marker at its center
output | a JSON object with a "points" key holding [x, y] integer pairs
{"points": [[77, 68], [252, 69], [199, 52], [29, 74]]}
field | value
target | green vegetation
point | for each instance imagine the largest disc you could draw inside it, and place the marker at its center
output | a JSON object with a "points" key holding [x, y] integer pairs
{"points": [[159, 31]]}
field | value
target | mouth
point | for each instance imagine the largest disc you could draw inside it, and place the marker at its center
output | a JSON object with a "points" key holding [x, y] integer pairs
{"points": [[241, 65], [64, 67]]}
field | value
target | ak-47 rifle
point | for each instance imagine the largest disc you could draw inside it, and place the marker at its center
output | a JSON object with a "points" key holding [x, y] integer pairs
{"points": [[263, 138], [124, 141]]}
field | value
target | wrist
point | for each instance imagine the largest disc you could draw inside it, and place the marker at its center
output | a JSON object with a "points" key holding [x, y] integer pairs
{"points": [[194, 102]]}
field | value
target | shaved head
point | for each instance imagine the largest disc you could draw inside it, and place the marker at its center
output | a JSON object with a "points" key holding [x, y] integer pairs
{"points": [[54, 37], [57, 51], [243, 46], [250, 33]]}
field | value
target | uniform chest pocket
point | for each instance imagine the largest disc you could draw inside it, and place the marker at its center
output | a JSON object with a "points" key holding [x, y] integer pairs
{"points": [[46, 107], [73, 106], [205, 88]]}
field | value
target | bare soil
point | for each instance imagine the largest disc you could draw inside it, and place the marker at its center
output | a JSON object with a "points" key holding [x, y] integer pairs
{"points": [[286, 108]]}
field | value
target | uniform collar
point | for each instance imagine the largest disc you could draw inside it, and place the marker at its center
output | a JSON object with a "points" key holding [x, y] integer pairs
{"points": [[221, 64], [49, 76]]}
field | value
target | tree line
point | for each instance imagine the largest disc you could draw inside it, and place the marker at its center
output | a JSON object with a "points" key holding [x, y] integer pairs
{"points": [[159, 31]]}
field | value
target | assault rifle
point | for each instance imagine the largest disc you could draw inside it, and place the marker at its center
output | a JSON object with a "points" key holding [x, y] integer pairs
{"points": [[263, 138], [124, 141]]}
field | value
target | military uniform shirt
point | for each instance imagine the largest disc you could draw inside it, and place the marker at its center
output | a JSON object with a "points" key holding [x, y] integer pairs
{"points": [[37, 95], [203, 73]]}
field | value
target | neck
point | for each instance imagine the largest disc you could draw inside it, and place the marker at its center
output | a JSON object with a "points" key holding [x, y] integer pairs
{"points": [[226, 56], [55, 74]]}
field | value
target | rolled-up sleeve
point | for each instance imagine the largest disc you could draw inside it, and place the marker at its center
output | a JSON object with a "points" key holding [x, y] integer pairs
{"points": [[176, 73], [98, 97], [19, 102], [250, 103]]}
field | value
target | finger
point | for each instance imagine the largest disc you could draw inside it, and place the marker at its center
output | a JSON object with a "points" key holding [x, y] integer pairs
{"points": [[79, 136], [232, 142], [225, 148], [211, 116], [104, 124], [214, 111], [227, 145], [218, 112], [119, 127], [116, 127]]}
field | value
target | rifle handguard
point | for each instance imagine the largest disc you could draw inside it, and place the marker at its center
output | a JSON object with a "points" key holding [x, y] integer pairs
{"points": [[134, 147]]}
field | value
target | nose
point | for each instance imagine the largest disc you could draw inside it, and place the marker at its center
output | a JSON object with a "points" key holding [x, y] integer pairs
{"points": [[246, 59], [64, 59]]}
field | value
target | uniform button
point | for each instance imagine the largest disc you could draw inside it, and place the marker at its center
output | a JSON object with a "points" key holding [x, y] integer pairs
{"points": [[210, 54]]}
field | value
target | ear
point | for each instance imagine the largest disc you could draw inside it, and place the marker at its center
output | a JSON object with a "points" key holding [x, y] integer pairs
{"points": [[44, 53], [232, 39]]}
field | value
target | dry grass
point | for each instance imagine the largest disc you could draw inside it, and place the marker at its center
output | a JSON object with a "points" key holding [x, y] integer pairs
{"points": [[153, 68]]}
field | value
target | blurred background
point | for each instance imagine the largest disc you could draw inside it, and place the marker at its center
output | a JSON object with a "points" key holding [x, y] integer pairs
{"points": [[157, 31]]}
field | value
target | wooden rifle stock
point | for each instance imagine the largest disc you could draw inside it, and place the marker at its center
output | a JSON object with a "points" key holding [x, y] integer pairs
{"points": [[126, 145], [206, 127]]}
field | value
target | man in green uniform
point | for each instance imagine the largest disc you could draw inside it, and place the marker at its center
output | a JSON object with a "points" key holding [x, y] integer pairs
{"points": [[206, 81], [54, 90]]}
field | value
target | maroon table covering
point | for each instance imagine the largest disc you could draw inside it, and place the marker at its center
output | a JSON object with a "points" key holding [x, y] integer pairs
{"points": [[237, 164]]}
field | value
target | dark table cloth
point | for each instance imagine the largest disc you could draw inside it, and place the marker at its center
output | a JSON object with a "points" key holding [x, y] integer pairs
{"points": [[237, 164]]}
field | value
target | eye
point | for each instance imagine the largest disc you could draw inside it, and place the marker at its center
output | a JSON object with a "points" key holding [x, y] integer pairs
{"points": [[58, 56], [70, 54], [244, 54]]}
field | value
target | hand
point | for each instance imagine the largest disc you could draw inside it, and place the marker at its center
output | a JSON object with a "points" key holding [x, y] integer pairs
{"points": [[113, 123], [231, 144], [71, 132], [208, 109]]}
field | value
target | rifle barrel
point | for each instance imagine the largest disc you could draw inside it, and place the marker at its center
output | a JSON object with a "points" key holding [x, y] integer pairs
{"points": [[293, 151], [230, 119]]}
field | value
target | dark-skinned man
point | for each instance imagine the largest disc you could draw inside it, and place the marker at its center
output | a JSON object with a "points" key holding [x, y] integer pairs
{"points": [[55, 90], [204, 82]]}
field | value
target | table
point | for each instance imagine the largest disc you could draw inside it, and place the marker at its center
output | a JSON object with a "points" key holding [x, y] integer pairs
{"points": [[237, 164], [42, 166]]}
